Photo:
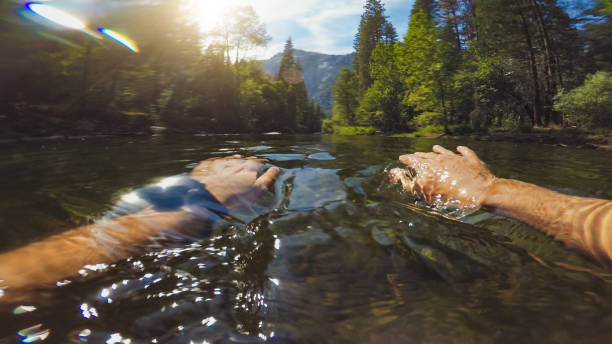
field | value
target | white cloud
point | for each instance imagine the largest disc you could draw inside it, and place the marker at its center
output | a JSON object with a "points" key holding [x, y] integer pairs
{"points": [[327, 29], [326, 26]]}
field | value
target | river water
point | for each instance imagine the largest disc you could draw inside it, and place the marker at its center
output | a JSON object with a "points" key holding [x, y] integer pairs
{"points": [[334, 254]]}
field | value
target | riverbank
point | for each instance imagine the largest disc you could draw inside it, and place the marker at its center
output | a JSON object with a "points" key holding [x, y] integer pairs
{"points": [[563, 137], [556, 137]]}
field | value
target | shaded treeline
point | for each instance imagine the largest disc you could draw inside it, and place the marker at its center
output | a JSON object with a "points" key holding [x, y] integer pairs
{"points": [[62, 82], [466, 64]]}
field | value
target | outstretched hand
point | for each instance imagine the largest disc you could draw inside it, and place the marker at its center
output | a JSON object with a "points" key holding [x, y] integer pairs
{"points": [[233, 180], [443, 176]]}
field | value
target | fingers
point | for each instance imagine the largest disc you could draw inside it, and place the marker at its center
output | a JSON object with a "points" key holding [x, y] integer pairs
{"points": [[398, 175], [416, 159], [425, 155], [441, 150], [267, 178], [469, 154], [411, 159], [405, 159]]}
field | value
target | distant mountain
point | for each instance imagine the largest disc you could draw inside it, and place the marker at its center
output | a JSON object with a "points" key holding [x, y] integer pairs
{"points": [[320, 73]]}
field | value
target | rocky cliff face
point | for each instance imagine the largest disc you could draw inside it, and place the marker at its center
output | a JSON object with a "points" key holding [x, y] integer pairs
{"points": [[320, 73]]}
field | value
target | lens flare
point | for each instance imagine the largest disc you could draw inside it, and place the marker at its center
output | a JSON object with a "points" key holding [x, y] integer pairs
{"points": [[57, 16], [121, 39]]}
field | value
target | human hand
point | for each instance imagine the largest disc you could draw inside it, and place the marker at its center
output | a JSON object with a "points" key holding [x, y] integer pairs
{"points": [[443, 176], [233, 180]]}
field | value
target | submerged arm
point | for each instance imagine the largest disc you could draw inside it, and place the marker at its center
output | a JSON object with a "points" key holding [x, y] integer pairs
{"points": [[49, 260], [581, 223], [231, 181]]}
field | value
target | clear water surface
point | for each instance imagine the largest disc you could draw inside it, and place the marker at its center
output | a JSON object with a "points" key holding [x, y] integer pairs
{"points": [[334, 254]]}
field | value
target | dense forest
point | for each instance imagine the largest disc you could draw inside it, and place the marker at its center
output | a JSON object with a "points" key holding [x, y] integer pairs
{"points": [[67, 82], [465, 65]]}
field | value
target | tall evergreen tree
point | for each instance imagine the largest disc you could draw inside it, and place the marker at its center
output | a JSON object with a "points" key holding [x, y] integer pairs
{"points": [[345, 97], [448, 15], [389, 34], [598, 33], [300, 112], [373, 28], [384, 98], [427, 6], [422, 62], [288, 63]]}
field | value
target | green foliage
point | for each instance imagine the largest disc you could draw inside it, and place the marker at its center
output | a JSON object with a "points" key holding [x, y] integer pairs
{"points": [[289, 70], [420, 57], [368, 112], [589, 105], [327, 126], [242, 31], [423, 6], [429, 131], [606, 6], [598, 42], [373, 28], [63, 82], [320, 73], [353, 130], [426, 119], [345, 97], [465, 129], [302, 115], [514, 124], [469, 64], [384, 97]]}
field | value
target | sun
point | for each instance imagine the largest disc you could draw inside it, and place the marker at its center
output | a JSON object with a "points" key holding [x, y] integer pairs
{"points": [[208, 14]]}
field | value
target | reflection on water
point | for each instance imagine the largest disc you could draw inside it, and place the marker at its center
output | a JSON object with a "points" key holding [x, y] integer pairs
{"points": [[344, 257]]}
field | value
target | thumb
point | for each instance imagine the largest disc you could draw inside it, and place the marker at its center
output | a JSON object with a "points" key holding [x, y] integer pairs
{"points": [[267, 178]]}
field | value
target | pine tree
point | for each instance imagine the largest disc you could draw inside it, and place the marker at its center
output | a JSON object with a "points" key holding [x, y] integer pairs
{"points": [[387, 90], [448, 13], [598, 33], [300, 112], [426, 6], [288, 64], [422, 62], [372, 29], [345, 97], [390, 35]]}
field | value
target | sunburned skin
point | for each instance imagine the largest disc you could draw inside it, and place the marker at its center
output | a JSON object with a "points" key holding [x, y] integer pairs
{"points": [[231, 181], [584, 224]]}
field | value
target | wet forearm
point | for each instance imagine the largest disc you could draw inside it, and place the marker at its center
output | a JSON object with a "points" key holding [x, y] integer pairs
{"points": [[62, 255], [581, 223]]}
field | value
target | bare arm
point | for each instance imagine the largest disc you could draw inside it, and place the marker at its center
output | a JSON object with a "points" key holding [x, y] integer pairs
{"points": [[62, 255], [581, 223], [231, 181]]}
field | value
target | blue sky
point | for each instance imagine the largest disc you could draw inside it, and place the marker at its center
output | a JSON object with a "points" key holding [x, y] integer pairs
{"points": [[325, 26], [329, 26]]}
